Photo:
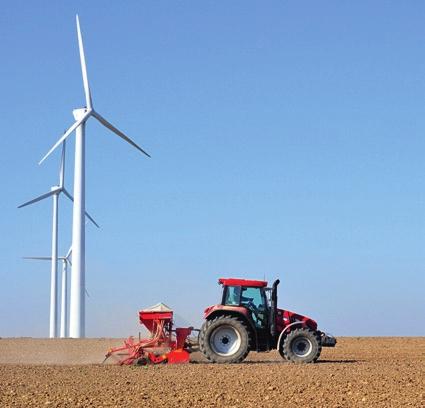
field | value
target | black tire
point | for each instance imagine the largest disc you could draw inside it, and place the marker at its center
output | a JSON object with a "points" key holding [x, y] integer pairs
{"points": [[301, 346], [217, 335]]}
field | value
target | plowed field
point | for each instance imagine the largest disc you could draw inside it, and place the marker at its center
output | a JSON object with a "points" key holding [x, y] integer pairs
{"points": [[359, 372]]}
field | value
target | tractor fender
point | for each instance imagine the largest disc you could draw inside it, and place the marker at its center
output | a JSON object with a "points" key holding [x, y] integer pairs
{"points": [[233, 311], [286, 330]]}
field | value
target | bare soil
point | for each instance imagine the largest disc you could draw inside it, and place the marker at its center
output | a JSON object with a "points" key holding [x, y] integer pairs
{"points": [[359, 372]]}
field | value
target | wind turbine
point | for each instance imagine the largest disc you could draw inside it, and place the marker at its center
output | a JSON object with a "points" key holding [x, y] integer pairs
{"points": [[54, 192], [64, 288], [81, 115]]}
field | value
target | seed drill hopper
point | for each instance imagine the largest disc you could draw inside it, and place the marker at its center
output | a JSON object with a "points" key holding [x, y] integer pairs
{"points": [[164, 345]]}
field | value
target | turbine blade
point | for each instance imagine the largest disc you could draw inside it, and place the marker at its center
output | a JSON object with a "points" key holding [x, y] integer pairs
{"points": [[41, 258], [62, 168], [105, 123], [68, 254], [65, 191], [86, 213], [83, 66], [66, 134], [87, 293], [39, 198], [91, 219]]}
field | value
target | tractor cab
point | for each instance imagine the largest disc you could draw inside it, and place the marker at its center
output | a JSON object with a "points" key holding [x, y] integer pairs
{"points": [[250, 294]]}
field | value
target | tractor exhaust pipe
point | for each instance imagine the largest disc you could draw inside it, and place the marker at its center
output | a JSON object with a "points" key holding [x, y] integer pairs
{"points": [[273, 308]]}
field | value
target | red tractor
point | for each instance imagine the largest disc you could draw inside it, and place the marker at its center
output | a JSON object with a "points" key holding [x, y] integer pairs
{"points": [[248, 319]]}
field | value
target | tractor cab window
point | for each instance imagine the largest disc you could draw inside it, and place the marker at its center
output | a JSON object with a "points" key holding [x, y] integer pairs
{"points": [[232, 295], [254, 299]]}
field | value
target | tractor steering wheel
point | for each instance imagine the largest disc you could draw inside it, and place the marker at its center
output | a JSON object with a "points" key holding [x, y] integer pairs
{"points": [[252, 306], [255, 310]]}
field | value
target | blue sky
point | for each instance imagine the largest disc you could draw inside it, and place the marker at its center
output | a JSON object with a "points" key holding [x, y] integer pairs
{"points": [[287, 140]]}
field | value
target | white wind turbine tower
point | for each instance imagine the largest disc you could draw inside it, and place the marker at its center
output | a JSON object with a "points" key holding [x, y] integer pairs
{"points": [[77, 299], [54, 192], [64, 288]]}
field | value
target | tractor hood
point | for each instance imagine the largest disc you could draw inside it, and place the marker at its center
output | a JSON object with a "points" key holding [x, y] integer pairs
{"points": [[285, 317]]}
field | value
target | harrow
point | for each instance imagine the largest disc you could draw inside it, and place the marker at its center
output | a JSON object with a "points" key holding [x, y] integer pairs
{"points": [[165, 344]]}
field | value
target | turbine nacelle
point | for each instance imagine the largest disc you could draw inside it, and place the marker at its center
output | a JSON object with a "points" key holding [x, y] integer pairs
{"points": [[79, 113]]}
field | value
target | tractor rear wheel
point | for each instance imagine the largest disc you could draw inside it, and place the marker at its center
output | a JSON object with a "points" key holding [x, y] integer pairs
{"points": [[301, 346], [224, 339]]}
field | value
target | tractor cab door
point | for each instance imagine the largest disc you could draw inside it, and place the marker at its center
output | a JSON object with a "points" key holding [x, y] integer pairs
{"points": [[254, 299]]}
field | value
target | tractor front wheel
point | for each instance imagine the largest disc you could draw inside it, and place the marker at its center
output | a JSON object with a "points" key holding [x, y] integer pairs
{"points": [[224, 339], [301, 346]]}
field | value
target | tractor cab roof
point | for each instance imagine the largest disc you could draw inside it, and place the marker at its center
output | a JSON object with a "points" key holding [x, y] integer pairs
{"points": [[242, 282]]}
